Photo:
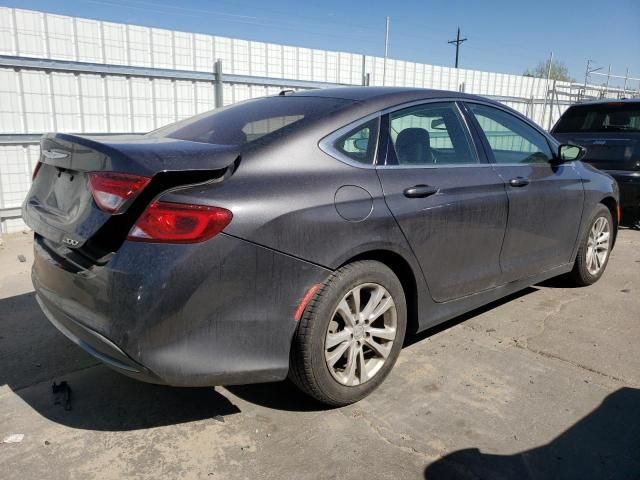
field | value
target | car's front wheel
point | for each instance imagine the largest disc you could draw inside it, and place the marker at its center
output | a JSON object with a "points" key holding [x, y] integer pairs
{"points": [[350, 335], [594, 249]]}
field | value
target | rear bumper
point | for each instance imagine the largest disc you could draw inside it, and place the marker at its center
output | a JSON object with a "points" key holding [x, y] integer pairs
{"points": [[629, 184], [95, 344], [217, 313]]}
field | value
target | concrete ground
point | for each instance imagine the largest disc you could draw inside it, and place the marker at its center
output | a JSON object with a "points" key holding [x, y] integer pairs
{"points": [[545, 384]]}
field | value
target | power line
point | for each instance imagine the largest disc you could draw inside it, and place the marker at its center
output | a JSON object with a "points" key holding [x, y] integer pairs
{"points": [[457, 43]]}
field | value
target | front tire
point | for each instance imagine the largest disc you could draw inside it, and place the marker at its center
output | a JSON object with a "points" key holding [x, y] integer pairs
{"points": [[595, 248], [350, 334]]}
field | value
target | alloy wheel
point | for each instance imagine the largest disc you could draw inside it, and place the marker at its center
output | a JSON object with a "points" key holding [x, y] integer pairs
{"points": [[598, 245], [361, 334]]}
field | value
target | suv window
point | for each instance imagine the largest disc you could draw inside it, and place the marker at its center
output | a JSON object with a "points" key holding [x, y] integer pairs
{"points": [[511, 140], [360, 143], [602, 117], [430, 134], [253, 120]]}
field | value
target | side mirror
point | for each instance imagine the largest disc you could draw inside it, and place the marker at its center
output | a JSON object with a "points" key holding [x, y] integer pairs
{"points": [[569, 153]]}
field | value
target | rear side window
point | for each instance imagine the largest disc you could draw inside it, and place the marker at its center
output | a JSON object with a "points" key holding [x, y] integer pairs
{"points": [[604, 117], [430, 134], [252, 121], [360, 143]]}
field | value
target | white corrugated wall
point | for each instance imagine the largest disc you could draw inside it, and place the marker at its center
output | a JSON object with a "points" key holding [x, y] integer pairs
{"points": [[34, 101]]}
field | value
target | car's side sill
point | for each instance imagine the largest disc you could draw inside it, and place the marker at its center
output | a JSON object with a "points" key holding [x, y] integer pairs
{"points": [[436, 313]]}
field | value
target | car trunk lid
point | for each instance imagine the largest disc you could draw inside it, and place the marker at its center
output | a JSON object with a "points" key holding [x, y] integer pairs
{"points": [[60, 206]]}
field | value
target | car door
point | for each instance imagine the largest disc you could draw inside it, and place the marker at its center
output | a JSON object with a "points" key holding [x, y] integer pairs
{"points": [[545, 197], [449, 202]]}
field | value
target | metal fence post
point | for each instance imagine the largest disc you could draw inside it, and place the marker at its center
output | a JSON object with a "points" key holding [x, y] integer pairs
{"points": [[217, 84]]}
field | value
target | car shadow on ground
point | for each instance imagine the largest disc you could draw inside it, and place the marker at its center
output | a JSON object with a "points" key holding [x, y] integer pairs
{"points": [[418, 337], [604, 444], [33, 354]]}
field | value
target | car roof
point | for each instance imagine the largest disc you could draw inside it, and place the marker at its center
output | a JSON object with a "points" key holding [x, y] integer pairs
{"points": [[390, 95], [605, 101]]}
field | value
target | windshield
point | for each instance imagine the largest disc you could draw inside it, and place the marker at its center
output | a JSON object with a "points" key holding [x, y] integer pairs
{"points": [[606, 117], [249, 121]]}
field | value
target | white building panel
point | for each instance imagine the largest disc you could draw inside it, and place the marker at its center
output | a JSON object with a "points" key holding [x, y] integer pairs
{"points": [[183, 48], [89, 41], [222, 51], [139, 46], [37, 101], [319, 65], [275, 67], [332, 67], [240, 57], [118, 104], [165, 102], [61, 37], [290, 62], [258, 58], [66, 102], [162, 48], [7, 32], [185, 99], [28, 33], [203, 51], [10, 108], [205, 98], [115, 43], [15, 173], [142, 104], [305, 70], [94, 108]]}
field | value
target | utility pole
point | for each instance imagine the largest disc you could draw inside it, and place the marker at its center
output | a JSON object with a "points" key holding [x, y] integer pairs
{"points": [[546, 89], [457, 43], [386, 52]]}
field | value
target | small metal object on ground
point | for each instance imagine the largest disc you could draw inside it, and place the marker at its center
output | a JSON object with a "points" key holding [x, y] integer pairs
{"points": [[62, 394]]}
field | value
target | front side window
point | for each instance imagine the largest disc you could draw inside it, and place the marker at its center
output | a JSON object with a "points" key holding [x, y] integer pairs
{"points": [[430, 134], [511, 139]]}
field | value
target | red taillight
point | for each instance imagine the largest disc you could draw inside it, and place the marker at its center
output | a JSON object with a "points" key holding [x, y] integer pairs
{"points": [[179, 223], [36, 170], [111, 190]]}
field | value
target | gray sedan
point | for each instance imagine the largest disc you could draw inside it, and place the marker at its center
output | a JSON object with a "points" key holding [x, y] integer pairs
{"points": [[305, 234]]}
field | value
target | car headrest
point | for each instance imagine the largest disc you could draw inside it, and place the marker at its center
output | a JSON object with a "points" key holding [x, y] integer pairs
{"points": [[413, 145]]}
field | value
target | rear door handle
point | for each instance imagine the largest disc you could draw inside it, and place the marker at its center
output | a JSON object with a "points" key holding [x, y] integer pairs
{"points": [[519, 182], [419, 191]]}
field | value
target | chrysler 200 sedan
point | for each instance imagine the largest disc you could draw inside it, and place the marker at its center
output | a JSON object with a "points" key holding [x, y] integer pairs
{"points": [[305, 234]]}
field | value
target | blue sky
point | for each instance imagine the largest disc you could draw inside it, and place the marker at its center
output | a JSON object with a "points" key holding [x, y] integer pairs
{"points": [[504, 35]]}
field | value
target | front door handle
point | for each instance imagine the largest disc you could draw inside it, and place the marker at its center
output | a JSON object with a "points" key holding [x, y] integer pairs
{"points": [[519, 182], [419, 191]]}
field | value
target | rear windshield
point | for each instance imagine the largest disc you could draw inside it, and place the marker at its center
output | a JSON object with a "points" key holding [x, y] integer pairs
{"points": [[605, 117], [252, 120]]}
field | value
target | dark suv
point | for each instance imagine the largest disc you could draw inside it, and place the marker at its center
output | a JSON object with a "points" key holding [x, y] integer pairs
{"points": [[610, 130]]}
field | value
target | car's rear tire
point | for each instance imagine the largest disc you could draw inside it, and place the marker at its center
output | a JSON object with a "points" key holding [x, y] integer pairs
{"points": [[350, 334], [595, 248]]}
